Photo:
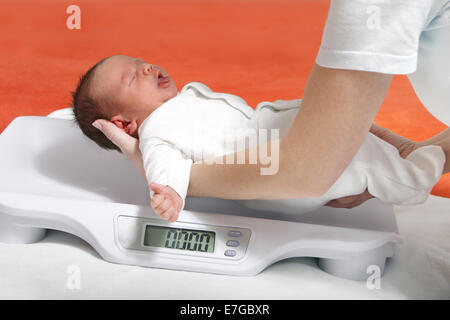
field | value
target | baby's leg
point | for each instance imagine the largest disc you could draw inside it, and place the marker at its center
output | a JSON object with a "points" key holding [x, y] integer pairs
{"points": [[393, 179], [442, 140]]}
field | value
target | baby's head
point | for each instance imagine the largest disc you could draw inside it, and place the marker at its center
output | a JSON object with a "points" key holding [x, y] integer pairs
{"points": [[123, 90]]}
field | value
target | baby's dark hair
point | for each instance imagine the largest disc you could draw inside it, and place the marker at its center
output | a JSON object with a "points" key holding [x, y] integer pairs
{"points": [[87, 108]]}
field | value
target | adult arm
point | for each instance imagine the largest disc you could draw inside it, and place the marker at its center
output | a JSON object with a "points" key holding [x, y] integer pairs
{"points": [[337, 111]]}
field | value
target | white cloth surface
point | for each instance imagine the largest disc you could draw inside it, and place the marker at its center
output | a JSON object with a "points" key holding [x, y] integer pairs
{"points": [[420, 269], [199, 124]]}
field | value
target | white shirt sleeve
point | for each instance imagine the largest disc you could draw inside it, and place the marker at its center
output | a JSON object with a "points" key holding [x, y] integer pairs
{"points": [[374, 35], [165, 165]]}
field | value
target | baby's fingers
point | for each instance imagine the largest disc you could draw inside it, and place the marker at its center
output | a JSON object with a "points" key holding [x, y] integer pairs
{"points": [[157, 199], [158, 188], [164, 206], [174, 216], [167, 215]]}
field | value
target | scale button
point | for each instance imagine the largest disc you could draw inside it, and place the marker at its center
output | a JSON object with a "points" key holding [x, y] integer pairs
{"points": [[234, 233], [230, 253], [232, 243]]}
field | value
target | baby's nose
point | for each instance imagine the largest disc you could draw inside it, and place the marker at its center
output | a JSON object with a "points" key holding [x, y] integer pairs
{"points": [[148, 68]]}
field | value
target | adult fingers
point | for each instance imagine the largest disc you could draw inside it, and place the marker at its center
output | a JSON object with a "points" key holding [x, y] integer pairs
{"points": [[342, 202], [350, 205], [350, 201], [404, 146], [125, 142]]}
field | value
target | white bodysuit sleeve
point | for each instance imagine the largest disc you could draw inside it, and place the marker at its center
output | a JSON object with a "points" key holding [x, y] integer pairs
{"points": [[165, 165]]}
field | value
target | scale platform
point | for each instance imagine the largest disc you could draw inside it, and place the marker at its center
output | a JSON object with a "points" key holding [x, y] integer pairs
{"points": [[53, 177]]}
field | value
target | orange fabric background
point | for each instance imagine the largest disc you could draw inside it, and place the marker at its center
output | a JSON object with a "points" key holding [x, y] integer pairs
{"points": [[259, 50]]}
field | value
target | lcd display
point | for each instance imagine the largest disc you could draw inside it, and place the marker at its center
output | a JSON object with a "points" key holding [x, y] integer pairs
{"points": [[182, 239]]}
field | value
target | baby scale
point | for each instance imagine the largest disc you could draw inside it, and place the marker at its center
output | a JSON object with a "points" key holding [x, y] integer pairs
{"points": [[55, 178]]}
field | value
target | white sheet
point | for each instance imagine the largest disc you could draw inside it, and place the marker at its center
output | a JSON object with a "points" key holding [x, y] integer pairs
{"points": [[419, 270]]}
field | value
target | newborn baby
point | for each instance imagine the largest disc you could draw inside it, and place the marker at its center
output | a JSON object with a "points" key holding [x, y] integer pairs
{"points": [[176, 129]]}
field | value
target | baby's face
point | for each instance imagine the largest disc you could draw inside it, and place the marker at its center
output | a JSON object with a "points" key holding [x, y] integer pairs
{"points": [[135, 86]]}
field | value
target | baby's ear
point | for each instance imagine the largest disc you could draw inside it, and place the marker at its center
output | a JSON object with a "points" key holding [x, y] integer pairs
{"points": [[127, 126], [132, 128], [119, 122]]}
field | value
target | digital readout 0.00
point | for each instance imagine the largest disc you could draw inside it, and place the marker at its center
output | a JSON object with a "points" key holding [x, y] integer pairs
{"points": [[182, 239]]}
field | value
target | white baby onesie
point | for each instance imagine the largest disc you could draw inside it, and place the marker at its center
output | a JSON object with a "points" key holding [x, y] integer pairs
{"points": [[198, 124]]}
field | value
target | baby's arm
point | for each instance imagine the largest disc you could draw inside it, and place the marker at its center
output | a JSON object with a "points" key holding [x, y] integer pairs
{"points": [[167, 173]]}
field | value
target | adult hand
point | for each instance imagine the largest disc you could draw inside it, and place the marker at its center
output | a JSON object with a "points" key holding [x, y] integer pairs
{"points": [[126, 143], [350, 201], [404, 146]]}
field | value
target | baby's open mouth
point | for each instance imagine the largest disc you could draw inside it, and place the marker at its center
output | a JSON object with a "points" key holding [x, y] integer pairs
{"points": [[162, 80]]}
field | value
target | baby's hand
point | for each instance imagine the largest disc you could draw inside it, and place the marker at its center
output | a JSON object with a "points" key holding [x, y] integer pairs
{"points": [[166, 202]]}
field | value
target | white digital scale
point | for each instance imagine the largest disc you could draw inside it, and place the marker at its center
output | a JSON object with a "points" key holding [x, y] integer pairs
{"points": [[55, 178]]}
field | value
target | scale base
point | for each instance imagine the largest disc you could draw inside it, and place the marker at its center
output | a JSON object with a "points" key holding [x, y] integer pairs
{"points": [[360, 267], [16, 234], [364, 266]]}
